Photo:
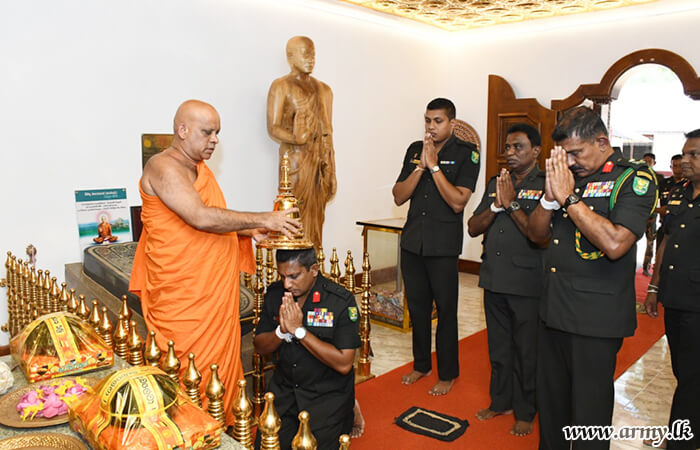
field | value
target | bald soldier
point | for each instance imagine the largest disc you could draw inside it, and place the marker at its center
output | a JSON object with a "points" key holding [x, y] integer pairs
{"points": [[192, 249]]}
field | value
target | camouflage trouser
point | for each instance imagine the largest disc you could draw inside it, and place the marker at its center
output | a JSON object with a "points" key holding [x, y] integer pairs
{"points": [[650, 234]]}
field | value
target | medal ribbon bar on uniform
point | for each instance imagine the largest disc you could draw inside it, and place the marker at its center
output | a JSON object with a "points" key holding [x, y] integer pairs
{"points": [[529, 194], [319, 317], [599, 189]]}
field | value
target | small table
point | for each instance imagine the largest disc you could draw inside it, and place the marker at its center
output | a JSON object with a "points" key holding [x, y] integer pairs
{"points": [[382, 241], [227, 442]]}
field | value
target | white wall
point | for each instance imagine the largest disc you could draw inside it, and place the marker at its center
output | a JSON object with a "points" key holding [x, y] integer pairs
{"points": [[80, 81]]}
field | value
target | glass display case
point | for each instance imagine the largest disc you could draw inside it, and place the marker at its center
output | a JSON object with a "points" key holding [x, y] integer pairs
{"points": [[382, 241]]}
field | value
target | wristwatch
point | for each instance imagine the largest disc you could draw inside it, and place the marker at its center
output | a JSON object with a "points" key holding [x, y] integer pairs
{"points": [[300, 333], [571, 200], [514, 206], [435, 168]]}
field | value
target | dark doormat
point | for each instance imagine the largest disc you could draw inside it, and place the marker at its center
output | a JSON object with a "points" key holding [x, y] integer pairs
{"points": [[431, 423]]}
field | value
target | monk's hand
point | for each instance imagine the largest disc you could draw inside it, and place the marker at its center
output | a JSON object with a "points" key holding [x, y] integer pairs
{"points": [[280, 221], [562, 179], [429, 154], [259, 234]]}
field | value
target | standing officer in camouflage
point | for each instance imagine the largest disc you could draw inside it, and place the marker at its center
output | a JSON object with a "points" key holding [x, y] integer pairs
{"points": [[676, 284], [511, 276], [438, 176], [595, 208]]}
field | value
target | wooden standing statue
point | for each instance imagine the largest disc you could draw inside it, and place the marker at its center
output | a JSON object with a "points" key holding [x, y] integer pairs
{"points": [[299, 111]]}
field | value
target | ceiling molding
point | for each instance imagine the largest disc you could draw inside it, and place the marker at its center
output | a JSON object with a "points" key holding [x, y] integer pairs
{"points": [[461, 15]]}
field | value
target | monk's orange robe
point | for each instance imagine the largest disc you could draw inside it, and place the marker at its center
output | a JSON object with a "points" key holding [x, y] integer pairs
{"points": [[188, 282]]}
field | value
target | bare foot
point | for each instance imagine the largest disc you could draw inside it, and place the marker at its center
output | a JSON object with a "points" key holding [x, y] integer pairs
{"points": [[358, 424], [487, 413], [651, 442], [442, 387], [521, 428], [414, 376]]}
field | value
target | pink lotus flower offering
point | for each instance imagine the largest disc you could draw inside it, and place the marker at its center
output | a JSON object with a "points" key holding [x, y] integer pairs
{"points": [[50, 400]]}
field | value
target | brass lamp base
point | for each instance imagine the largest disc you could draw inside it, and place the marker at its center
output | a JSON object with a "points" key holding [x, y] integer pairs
{"points": [[284, 243]]}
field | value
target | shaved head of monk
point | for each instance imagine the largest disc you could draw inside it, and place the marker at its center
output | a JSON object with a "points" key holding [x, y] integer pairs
{"points": [[196, 128]]}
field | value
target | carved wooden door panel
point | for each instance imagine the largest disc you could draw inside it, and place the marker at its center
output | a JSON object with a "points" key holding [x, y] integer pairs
{"points": [[505, 110]]}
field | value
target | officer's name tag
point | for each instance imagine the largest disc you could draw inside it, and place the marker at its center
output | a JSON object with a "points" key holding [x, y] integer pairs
{"points": [[493, 194], [599, 189], [674, 202], [319, 317], [529, 194]]}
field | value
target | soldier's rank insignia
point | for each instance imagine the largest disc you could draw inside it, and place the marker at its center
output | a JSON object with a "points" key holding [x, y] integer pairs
{"points": [[475, 157], [640, 186], [352, 313]]}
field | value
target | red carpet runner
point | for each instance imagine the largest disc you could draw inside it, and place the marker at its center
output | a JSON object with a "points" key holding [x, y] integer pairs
{"points": [[384, 397]]}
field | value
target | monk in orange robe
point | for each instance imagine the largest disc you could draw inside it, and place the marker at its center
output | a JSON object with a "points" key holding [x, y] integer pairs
{"points": [[188, 261], [104, 232]]}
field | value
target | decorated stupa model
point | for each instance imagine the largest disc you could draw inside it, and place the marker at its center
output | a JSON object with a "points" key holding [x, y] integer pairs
{"points": [[285, 201], [59, 344]]}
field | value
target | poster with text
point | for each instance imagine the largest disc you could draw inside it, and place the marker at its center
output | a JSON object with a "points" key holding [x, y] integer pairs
{"points": [[103, 217]]}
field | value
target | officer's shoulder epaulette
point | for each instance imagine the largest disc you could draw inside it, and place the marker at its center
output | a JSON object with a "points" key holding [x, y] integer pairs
{"points": [[631, 163], [640, 168], [646, 174], [336, 289]]}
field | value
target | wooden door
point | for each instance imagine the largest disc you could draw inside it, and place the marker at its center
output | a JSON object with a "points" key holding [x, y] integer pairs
{"points": [[505, 110]]}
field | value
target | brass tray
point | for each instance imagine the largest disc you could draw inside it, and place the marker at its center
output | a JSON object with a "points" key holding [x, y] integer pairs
{"points": [[8, 406], [42, 441]]}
